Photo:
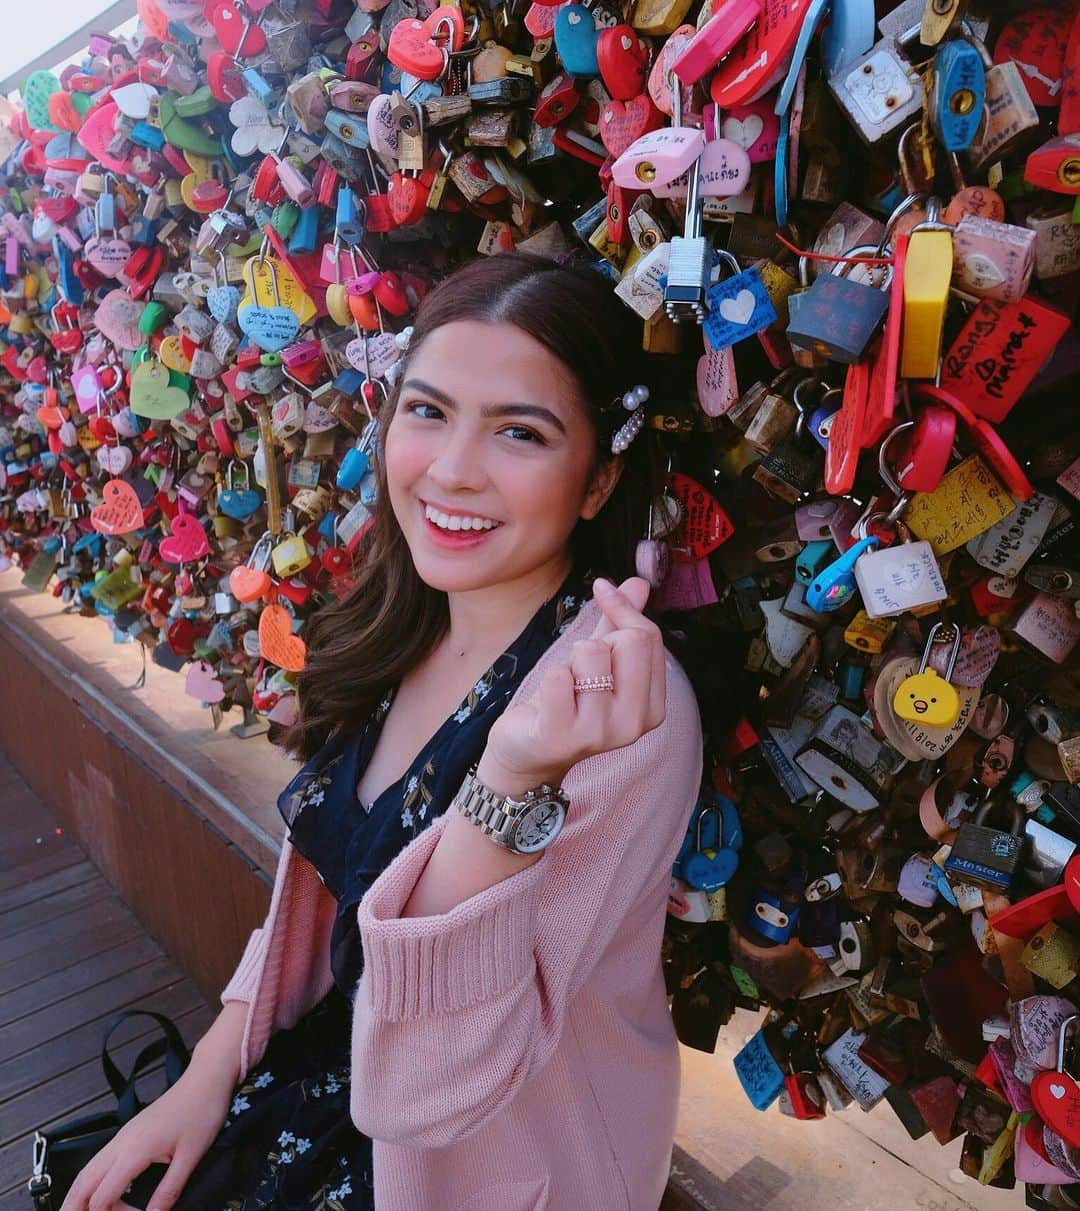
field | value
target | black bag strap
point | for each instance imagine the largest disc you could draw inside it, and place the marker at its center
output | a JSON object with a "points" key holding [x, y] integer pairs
{"points": [[172, 1046]]}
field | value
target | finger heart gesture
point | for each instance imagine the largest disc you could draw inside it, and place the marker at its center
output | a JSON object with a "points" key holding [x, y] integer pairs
{"points": [[567, 722]]}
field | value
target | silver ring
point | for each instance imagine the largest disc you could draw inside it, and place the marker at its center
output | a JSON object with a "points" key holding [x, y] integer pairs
{"points": [[594, 685]]}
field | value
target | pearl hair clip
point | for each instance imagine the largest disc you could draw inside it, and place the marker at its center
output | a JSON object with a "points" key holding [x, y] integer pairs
{"points": [[634, 402]]}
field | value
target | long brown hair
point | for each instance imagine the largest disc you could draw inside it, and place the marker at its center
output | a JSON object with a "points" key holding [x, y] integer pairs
{"points": [[362, 645]]}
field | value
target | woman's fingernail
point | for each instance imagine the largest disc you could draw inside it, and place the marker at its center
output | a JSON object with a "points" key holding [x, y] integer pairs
{"points": [[602, 586]]}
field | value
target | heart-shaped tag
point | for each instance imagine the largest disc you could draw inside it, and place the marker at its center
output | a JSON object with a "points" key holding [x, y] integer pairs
{"points": [[186, 543], [1056, 1098], [39, 87], [623, 59], [201, 683], [575, 40], [172, 355], [624, 122], [107, 254], [412, 45], [407, 197], [115, 459], [153, 396], [382, 128], [117, 318], [235, 31], [271, 328], [277, 642], [222, 302], [134, 100], [248, 584], [119, 511], [238, 504], [97, 133]]}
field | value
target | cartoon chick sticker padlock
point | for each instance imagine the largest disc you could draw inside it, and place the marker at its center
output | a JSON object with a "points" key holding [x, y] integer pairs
{"points": [[926, 698]]}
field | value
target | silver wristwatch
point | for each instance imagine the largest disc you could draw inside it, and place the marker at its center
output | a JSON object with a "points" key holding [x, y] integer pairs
{"points": [[523, 826]]}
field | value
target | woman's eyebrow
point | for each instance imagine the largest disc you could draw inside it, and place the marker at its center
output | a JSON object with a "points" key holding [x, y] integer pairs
{"points": [[491, 410]]}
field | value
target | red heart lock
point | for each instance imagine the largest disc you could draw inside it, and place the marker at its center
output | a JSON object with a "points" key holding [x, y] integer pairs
{"points": [[922, 454], [67, 340], [540, 19], [706, 525], [248, 584], [102, 428], [186, 543], [336, 561], [619, 202], [408, 197], [225, 78], [419, 47], [622, 123], [235, 31], [1056, 1097], [557, 100], [389, 292], [623, 57], [119, 511]]}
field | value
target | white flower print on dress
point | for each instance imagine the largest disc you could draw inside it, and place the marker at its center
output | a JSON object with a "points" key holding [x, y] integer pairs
{"points": [[302, 1146], [332, 1085], [412, 784], [239, 1103], [341, 1191], [461, 714], [407, 818], [286, 1138], [263, 1079]]}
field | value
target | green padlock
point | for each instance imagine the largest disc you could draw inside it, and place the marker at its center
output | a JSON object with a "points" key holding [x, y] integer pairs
{"points": [[181, 133], [155, 315]]}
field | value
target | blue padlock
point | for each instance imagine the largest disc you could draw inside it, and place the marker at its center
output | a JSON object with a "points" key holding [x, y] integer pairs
{"points": [[708, 869], [775, 917], [143, 230], [142, 134], [959, 94], [354, 466], [369, 489], [832, 587], [105, 212], [347, 222], [239, 501], [811, 559], [849, 33], [258, 85], [349, 128], [575, 40], [306, 232], [821, 421]]}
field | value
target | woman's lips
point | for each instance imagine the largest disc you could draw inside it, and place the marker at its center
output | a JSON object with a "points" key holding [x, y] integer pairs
{"points": [[453, 539]]}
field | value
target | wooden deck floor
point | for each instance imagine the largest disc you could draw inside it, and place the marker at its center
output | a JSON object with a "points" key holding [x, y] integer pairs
{"points": [[71, 954]]}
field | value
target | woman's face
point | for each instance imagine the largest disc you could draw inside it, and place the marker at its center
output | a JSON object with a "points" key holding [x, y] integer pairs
{"points": [[489, 428]]}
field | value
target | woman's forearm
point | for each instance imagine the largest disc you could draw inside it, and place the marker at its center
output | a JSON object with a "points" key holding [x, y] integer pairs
{"points": [[216, 1055], [465, 862]]}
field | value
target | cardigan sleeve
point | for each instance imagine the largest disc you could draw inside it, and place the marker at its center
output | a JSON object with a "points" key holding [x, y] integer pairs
{"points": [[241, 985], [454, 1012]]}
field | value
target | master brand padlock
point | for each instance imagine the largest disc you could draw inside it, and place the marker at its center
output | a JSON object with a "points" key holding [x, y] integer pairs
{"points": [[926, 698], [988, 857]]}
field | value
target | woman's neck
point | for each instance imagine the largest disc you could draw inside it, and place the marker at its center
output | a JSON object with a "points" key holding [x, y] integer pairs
{"points": [[490, 618]]}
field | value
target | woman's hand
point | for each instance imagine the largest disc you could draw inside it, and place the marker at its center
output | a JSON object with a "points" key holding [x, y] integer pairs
{"points": [[176, 1130], [539, 740]]}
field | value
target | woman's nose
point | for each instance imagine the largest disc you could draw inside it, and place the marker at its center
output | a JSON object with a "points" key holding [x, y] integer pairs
{"points": [[458, 464]]}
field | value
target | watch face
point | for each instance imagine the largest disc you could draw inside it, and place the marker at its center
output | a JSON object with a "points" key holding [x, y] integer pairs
{"points": [[538, 826]]}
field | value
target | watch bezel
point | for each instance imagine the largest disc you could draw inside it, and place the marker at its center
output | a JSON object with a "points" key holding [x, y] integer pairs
{"points": [[540, 797]]}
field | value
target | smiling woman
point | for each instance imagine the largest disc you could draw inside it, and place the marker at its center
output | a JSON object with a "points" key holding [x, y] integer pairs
{"points": [[506, 409]]}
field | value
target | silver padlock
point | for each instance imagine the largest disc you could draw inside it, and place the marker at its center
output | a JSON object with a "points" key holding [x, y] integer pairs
{"points": [[881, 91]]}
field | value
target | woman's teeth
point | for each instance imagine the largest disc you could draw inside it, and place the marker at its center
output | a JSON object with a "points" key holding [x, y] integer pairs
{"points": [[447, 521]]}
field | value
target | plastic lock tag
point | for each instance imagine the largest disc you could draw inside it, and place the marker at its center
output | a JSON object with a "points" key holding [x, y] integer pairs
{"points": [[832, 587], [902, 577]]}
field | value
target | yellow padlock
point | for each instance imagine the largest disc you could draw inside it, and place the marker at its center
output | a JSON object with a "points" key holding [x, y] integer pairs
{"points": [[20, 324], [927, 274], [869, 634], [290, 556], [337, 305], [171, 353], [926, 698]]}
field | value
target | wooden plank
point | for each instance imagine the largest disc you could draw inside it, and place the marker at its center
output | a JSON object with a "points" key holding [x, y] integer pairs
{"points": [[100, 915], [78, 949], [83, 1041], [54, 1020], [34, 890], [54, 859], [50, 990], [71, 900]]}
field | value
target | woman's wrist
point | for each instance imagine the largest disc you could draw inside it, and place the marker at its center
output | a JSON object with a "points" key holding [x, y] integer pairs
{"points": [[505, 780]]}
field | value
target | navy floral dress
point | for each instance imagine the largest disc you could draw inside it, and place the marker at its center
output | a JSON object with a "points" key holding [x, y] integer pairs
{"points": [[289, 1142]]}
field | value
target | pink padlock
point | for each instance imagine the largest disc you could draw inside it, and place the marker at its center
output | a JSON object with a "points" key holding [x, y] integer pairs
{"points": [[363, 283], [338, 264], [754, 127], [716, 38], [295, 184], [724, 170], [11, 256], [658, 158], [70, 238]]}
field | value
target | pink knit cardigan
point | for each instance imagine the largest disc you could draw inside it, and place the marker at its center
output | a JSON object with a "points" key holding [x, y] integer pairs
{"points": [[515, 1053]]}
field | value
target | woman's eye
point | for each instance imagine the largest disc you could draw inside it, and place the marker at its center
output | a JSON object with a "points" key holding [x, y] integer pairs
{"points": [[415, 408], [529, 434]]}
